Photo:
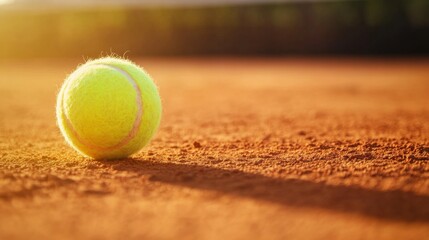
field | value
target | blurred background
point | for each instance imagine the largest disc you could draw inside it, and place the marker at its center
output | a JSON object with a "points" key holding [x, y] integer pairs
{"points": [[76, 28]]}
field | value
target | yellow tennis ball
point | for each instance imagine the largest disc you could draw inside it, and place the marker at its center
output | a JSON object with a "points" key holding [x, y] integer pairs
{"points": [[108, 108]]}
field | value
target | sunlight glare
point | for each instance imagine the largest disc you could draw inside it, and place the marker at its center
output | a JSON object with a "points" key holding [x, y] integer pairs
{"points": [[4, 2]]}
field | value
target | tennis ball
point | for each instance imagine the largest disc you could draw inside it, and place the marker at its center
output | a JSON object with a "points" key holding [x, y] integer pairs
{"points": [[108, 108]]}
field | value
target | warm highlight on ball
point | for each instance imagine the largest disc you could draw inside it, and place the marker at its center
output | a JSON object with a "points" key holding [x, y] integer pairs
{"points": [[108, 108]]}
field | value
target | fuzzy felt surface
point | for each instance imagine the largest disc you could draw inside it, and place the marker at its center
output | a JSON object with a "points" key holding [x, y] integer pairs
{"points": [[108, 108]]}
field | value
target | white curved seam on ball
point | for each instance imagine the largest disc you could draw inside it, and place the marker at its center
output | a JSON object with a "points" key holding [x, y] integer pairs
{"points": [[137, 122]]}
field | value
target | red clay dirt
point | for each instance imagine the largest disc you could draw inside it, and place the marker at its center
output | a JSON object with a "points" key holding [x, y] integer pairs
{"points": [[247, 149]]}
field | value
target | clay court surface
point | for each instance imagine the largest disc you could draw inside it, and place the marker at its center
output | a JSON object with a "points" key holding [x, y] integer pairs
{"points": [[247, 149]]}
